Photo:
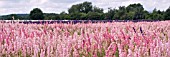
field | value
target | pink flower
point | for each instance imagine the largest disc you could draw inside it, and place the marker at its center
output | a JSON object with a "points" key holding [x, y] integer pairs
{"points": [[42, 54], [96, 38], [84, 43]]}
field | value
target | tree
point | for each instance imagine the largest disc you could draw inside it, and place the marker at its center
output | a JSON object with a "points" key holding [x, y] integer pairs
{"points": [[94, 16], [156, 15], [121, 14], [167, 14], [97, 9], [51, 16], [64, 16], [84, 7], [74, 9], [136, 11], [78, 16], [36, 14], [110, 14], [83, 11], [11, 17]]}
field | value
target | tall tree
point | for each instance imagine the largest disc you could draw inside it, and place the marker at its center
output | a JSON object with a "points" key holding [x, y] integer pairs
{"points": [[83, 11], [167, 14], [110, 14], [97, 9], [64, 16], [84, 7], [136, 11], [156, 15], [36, 14], [121, 14], [94, 16]]}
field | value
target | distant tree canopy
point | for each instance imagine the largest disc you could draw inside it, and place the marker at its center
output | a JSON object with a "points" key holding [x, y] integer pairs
{"points": [[131, 12], [86, 11], [36, 14], [84, 7], [15, 16], [167, 14]]}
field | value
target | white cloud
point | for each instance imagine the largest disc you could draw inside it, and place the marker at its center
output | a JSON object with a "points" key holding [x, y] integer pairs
{"points": [[57, 6]]}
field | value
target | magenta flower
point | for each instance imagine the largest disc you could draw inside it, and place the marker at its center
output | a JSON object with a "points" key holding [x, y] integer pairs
{"points": [[123, 39]]}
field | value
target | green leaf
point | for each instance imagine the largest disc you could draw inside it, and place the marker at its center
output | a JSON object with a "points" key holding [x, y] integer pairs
{"points": [[117, 53], [101, 54]]}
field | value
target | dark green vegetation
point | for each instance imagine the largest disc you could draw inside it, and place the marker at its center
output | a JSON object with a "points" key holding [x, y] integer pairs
{"points": [[86, 11], [36, 14]]}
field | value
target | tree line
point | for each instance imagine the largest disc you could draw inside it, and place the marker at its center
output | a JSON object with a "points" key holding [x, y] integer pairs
{"points": [[86, 11]]}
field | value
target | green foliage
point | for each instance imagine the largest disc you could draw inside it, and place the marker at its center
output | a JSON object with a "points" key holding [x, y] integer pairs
{"points": [[131, 12], [121, 13], [51, 16], [64, 16], [36, 14], [110, 14], [97, 9], [77, 16], [167, 14], [86, 11], [84, 7], [117, 53], [156, 15], [13, 17], [101, 54], [94, 16]]}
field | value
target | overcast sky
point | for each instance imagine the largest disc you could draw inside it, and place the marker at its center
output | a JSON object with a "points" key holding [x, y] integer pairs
{"points": [[57, 6]]}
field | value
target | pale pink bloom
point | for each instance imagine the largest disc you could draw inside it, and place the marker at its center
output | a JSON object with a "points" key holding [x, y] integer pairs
{"points": [[42, 54]]}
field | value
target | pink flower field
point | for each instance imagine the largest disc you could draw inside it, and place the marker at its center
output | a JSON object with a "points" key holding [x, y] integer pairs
{"points": [[116, 39]]}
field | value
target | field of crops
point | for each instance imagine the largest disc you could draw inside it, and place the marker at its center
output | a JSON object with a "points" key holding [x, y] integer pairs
{"points": [[116, 39]]}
